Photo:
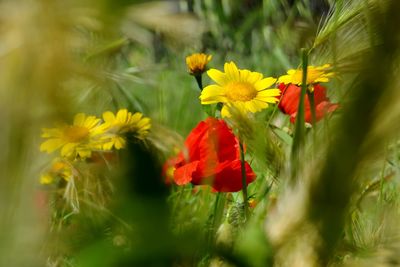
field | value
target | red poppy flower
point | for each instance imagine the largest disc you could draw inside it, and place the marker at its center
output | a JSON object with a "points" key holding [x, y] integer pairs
{"points": [[290, 97], [211, 156]]}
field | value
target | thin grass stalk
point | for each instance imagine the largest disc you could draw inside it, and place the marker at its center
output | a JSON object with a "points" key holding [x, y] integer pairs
{"points": [[332, 191], [218, 210], [217, 215], [244, 180], [382, 178]]}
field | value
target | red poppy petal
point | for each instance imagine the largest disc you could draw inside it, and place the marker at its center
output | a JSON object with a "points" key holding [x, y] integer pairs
{"points": [[184, 174], [324, 108], [290, 99], [320, 111], [228, 176], [219, 143], [178, 161], [293, 117], [226, 143], [193, 139], [319, 94]]}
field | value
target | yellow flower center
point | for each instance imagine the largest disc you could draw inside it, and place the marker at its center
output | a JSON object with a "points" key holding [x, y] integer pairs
{"points": [[240, 91], [75, 134]]}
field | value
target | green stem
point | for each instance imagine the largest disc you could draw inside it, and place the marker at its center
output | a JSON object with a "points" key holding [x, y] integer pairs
{"points": [[216, 208], [218, 212], [199, 81], [244, 180], [299, 133]]}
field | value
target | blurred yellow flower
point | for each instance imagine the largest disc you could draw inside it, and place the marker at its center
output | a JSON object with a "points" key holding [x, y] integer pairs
{"points": [[197, 63], [59, 169], [76, 140], [318, 74], [115, 128], [243, 90]]}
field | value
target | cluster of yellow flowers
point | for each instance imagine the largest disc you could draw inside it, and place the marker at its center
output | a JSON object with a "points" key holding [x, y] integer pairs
{"points": [[88, 134], [248, 91]]}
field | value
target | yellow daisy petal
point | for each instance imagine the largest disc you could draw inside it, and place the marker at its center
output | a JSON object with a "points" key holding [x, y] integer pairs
{"points": [[264, 83], [144, 123], [108, 145], [286, 79], [255, 106], [268, 93], [217, 76], [225, 112], [79, 119], [84, 153], [51, 132], [252, 107], [231, 71], [254, 77], [68, 149], [212, 94], [322, 80], [119, 142], [136, 117], [244, 75], [51, 145], [108, 116], [122, 116]]}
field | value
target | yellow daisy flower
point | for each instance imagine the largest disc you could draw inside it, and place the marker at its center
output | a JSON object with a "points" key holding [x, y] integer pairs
{"points": [[314, 75], [73, 140], [115, 128], [243, 90], [58, 168], [197, 63]]}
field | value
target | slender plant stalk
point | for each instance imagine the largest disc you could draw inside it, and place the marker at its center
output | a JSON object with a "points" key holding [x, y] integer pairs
{"points": [[244, 180], [299, 134], [199, 81], [218, 210], [382, 180]]}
